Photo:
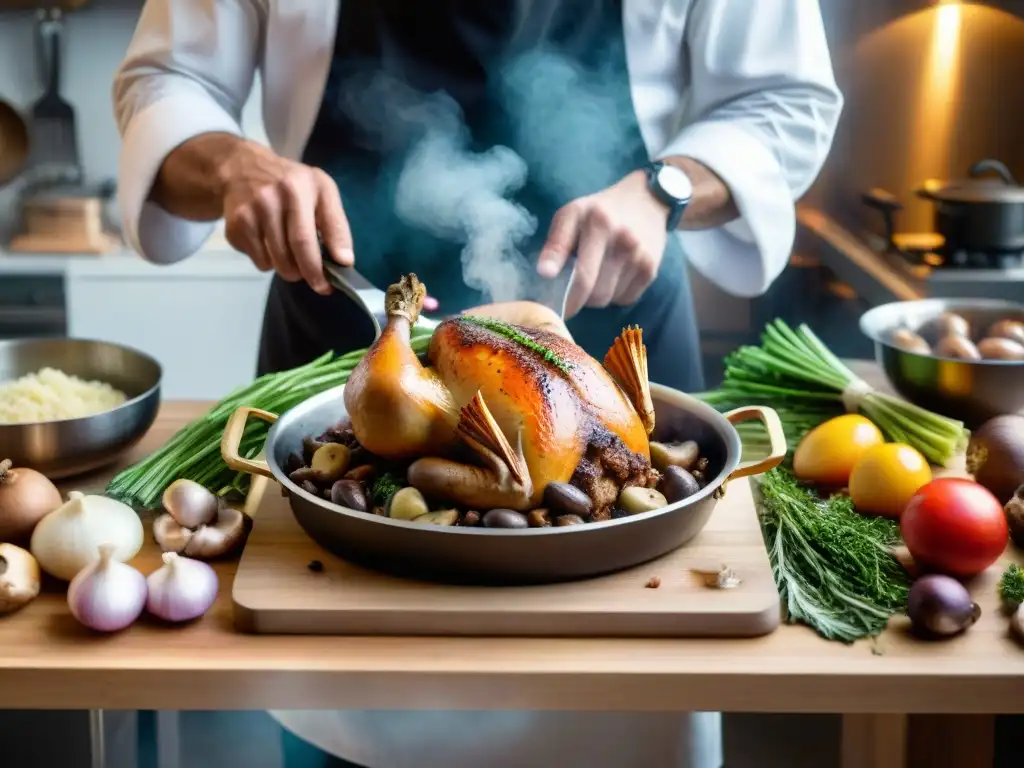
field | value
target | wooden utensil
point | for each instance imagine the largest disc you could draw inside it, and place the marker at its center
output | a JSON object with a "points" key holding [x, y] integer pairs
{"points": [[62, 224]]}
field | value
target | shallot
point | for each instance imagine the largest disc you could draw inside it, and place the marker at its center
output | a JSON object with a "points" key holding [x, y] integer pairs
{"points": [[182, 589], [941, 606], [66, 540], [26, 497], [1017, 623], [107, 595]]}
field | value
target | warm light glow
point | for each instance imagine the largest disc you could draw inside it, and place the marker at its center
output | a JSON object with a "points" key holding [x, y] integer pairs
{"points": [[938, 95]]}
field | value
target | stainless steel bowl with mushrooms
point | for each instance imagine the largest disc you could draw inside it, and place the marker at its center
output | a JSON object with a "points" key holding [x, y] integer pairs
{"points": [[963, 358]]}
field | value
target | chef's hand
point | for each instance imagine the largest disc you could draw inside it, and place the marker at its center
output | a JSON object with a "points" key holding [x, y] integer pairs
{"points": [[619, 237], [273, 209]]}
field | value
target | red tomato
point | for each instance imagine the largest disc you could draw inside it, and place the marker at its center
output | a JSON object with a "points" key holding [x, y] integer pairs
{"points": [[954, 526]]}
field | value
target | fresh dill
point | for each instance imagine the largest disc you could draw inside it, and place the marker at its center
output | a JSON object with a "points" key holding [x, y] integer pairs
{"points": [[834, 568], [384, 487], [514, 334], [1011, 585]]}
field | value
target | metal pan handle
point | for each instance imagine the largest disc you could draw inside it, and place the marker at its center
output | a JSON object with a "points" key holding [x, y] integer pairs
{"points": [[231, 441], [776, 439], [982, 167]]}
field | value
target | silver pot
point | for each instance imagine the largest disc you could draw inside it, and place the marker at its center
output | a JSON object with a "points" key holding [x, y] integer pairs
{"points": [[487, 555]]}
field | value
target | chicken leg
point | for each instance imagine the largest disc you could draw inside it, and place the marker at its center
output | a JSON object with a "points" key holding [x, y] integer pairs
{"points": [[399, 408], [502, 482]]}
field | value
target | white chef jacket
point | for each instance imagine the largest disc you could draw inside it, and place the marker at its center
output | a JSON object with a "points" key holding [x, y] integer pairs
{"points": [[743, 86]]}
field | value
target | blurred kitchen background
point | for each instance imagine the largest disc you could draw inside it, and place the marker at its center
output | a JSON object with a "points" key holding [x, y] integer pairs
{"points": [[931, 88]]}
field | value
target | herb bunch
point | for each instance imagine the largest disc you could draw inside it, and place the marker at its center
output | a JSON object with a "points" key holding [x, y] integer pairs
{"points": [[834, 568], [794, 372], [1011, 585]]}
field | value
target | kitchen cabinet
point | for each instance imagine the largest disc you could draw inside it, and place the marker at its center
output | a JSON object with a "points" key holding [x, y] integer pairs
{"points": [[200, 319]]}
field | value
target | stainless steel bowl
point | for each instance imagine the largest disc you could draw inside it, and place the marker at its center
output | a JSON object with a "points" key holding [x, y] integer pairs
{"points": [[70, 447], [972, 391]]}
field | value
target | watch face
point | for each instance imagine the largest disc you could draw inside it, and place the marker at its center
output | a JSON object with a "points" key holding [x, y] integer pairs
{"points": [[675, 183]]}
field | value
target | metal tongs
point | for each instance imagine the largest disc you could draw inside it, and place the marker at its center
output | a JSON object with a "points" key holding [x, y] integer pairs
{"points": [[369, 298], [550, 292]]}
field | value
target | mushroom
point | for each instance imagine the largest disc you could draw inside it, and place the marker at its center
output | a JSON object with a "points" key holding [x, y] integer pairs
{"points": [[330, 462], [190, 503], [683, 455], [19, 578], [196, 523]]}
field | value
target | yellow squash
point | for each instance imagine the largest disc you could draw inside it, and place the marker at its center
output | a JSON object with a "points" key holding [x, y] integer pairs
{"points": [[827, 454], [885, 478]]}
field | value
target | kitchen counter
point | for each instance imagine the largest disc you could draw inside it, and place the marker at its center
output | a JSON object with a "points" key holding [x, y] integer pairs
{"points": [[48, 661], [213, 260]]}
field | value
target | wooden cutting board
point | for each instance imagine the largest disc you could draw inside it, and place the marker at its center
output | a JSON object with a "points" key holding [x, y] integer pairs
{"points": [[276, 592]]}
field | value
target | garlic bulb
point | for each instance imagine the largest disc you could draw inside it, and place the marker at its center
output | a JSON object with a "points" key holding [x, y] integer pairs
{"points": [[107, 595], [182, 590], [67, 539]]}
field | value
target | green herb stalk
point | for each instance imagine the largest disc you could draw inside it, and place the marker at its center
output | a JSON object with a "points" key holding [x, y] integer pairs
{"points": [[194, 452], [833, 567], [512, 333], [794, 372], [384, 487], [1011, 585]]}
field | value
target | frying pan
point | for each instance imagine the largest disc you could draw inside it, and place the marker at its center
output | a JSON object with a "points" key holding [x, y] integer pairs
{"points": [[504, 556], [14, 143]]}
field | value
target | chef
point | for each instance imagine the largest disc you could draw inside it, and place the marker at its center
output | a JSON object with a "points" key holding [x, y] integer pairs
{"points": [[485, 145]]}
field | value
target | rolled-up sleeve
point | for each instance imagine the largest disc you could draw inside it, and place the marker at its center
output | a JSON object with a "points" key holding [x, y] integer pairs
{"points": [[761, 110], [188, 71]]}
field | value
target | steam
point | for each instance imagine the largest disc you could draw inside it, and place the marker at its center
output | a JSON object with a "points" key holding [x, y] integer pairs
{"points": [[462, 196], [569, 128]]}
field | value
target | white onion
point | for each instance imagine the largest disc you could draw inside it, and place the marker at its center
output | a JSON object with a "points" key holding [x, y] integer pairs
{"points": [[66, 540], [107, 595], [182, 590]]}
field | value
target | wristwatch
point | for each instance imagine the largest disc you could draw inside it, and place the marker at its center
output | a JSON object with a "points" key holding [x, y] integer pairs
{"points": [[671, 186]]}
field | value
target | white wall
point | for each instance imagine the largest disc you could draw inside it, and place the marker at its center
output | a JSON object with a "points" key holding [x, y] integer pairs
{"points": [[95, 40]]}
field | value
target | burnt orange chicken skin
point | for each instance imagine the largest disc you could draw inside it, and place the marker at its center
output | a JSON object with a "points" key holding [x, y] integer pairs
{"points": [[530, 405]]}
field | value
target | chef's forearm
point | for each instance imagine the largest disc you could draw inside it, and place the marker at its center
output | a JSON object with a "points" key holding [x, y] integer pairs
{"points": [[712, 204], [190, 182]]}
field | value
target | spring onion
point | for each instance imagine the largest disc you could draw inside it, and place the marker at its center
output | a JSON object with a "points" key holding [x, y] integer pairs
{"points": [[193, 453], [794, 372]]}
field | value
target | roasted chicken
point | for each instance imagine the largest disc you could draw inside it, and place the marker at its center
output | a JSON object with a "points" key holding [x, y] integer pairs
{"points": [[502, 410]]}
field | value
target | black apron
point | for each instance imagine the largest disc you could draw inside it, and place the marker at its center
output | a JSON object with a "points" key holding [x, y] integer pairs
{"points": [[547, 79]]}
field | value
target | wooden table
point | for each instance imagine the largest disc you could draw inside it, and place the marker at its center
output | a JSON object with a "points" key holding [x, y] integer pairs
{"points": [[48, 661]]}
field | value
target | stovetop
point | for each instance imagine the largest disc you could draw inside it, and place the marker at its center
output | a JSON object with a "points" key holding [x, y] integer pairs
{"points": [[880, 273], [961, 259]]}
